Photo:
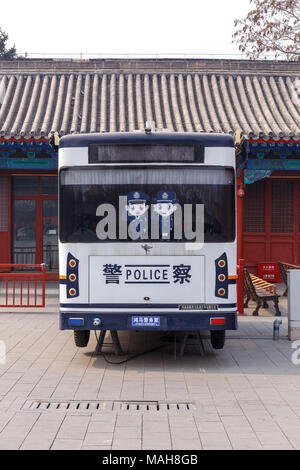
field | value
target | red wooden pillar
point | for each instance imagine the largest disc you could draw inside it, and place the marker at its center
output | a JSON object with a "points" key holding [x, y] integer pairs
{"points": [[240, 192], [240, 286]]}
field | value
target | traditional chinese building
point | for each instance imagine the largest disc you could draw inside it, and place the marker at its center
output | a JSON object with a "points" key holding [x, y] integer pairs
{"points": [[41, 97]]}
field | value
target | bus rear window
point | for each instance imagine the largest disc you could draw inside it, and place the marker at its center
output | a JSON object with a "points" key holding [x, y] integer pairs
{"points": [[141, 153], [129, 204]]}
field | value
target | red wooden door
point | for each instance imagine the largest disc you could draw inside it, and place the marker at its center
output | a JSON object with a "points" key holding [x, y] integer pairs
{"points": [[271, 222], [35, 221]]}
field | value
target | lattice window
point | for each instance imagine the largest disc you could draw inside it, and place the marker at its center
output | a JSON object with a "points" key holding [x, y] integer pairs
{"points": [[282, 194], [3, 204], [254, 208]]}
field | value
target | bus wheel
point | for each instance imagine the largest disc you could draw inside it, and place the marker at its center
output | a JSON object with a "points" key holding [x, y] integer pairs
{"points": [[217, 339], [81, 338]]}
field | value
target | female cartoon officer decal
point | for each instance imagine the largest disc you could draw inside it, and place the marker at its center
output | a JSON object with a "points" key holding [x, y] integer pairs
{"points": [[137, 206], [165, 205]]}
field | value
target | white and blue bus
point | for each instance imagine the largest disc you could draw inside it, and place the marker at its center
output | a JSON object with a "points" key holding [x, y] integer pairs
{"points": [[147, 233]]}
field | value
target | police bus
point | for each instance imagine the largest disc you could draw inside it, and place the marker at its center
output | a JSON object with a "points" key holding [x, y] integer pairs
{"points": [[147, 233]]}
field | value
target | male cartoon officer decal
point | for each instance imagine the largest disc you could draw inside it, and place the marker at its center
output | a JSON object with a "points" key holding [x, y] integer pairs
{"points": [[165, 205], [137, 207]]}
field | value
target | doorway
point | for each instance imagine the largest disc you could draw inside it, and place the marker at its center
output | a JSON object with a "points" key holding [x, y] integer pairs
{"points": [[272, 221], [35, 220]]}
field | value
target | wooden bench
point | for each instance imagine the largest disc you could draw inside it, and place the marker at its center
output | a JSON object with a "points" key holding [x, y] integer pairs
{"points": [[261, 292], [283, 268]]}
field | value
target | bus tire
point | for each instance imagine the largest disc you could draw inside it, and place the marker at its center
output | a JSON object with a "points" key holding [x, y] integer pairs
{"points": [[217, 339], [81, 338]]}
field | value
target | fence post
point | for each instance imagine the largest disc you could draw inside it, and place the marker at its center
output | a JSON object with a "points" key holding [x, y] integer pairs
{"points": [[240, 287], [43, 265]]}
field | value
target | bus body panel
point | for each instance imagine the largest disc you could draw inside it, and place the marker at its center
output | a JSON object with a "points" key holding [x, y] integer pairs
{"points": [[69, 157], [171, 321], [85, 252]]}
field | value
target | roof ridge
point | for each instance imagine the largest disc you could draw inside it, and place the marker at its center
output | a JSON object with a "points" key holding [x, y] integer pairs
{"points": [[234, 66]]}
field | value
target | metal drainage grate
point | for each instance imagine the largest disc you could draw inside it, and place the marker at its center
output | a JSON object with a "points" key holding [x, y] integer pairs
{"points": [[69, 406], [94, 406], [152, 406]]}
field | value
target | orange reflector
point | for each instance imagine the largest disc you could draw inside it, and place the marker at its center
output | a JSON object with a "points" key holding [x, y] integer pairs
{"points": [[217, 321]]}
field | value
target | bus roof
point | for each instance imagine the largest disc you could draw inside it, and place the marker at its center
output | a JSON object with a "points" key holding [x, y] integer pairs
{"points": [[208, 140]]}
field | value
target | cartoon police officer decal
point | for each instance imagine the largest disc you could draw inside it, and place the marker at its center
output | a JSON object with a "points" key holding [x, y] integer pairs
{"points": [[137, 207], [165, 205]]}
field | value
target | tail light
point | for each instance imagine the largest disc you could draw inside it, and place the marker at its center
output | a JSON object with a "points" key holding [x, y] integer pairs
{"points": [[218, 321]]}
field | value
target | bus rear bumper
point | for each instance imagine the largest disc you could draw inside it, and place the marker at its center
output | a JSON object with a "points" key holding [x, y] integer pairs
{"points": [[177, 321]]}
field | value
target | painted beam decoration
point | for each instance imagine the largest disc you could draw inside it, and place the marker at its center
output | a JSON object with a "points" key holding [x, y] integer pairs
{"points": [[27, 154], [265, 157], [250, 176], [41, 154], [280, 155]]}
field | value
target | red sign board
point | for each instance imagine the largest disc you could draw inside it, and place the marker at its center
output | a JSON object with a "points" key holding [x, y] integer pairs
{"points": [[268, 271]]}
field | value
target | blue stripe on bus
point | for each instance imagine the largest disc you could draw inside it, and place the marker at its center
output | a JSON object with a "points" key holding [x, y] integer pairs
{"points": [[73, 305]]}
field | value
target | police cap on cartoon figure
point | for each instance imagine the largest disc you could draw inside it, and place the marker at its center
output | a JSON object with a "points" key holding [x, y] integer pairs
{"points": [[165, 203], [136, 208]]}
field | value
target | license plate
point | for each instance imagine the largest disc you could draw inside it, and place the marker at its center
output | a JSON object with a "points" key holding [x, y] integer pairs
{"points": [[145, 320]]}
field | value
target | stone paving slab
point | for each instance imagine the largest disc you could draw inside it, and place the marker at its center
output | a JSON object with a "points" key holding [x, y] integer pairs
{"points": [[246, 396]]}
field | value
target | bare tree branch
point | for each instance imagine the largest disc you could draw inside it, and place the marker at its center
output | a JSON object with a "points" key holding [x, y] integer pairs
{"points": [[272, 26]]}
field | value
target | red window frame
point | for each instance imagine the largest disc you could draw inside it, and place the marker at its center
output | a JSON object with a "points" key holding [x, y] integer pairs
{"points": [[38, 198]]}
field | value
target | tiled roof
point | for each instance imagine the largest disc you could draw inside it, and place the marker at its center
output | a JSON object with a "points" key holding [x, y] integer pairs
{"points": [[38, 98]]}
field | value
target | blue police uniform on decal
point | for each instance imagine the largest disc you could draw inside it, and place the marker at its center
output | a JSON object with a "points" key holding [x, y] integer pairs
{"points": [[165, 205], [137, 208]]}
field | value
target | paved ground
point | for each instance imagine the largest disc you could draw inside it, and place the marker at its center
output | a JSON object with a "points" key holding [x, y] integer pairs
{"points": [[246, 396]]}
